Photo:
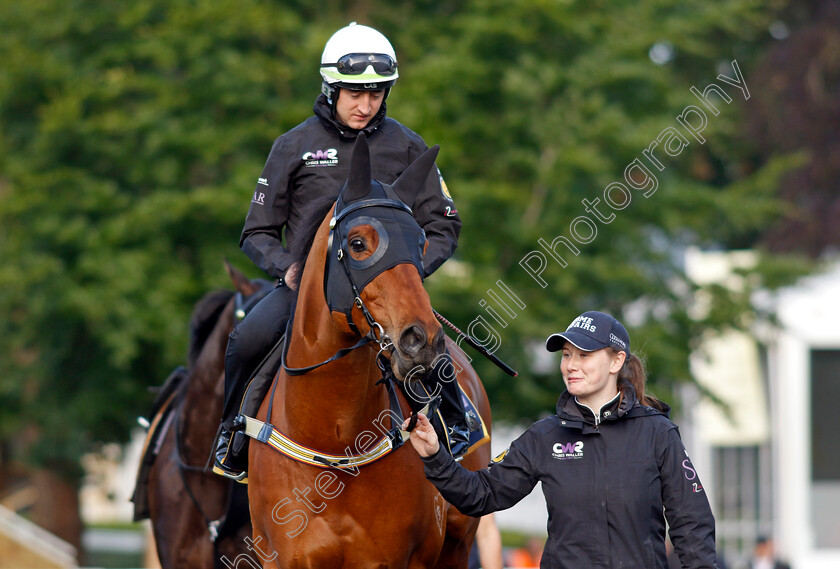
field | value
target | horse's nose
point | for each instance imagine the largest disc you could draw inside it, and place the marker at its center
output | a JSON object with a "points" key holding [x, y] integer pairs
{"points": [[412, 340]]}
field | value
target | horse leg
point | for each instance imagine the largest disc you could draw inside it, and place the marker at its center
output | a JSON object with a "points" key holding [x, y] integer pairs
{"points": [[460, 534]]}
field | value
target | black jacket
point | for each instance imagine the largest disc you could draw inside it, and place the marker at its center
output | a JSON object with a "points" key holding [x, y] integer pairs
{"points": [[312, 160], [605, 487]]}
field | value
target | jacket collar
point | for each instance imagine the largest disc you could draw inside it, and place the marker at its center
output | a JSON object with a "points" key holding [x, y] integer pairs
{"points": [[596, 416], [323, 110], [620, 407]]}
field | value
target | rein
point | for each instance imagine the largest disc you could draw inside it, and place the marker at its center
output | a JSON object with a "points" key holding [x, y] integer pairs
{"points": [[384, 343], [183, 468], [267, 433], [383, 340], [394, 438], [375, 328]]}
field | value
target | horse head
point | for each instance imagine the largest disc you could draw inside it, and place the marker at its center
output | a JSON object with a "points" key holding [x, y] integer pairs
{"points": [[375, 263]]}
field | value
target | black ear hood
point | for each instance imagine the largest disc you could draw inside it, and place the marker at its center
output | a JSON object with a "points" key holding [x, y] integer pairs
{"points": [[363, 201], [411, 181], [359, 184]]}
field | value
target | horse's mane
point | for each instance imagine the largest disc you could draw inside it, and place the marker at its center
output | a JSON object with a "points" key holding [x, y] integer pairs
{"points": [[204, 318], [313, 215]]}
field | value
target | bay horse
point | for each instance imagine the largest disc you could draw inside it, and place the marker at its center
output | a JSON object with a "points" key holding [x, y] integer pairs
{"points": [[373, 511], [195, 517]]}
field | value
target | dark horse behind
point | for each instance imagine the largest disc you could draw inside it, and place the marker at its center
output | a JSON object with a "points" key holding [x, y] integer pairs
{"points": [[197, 517]]}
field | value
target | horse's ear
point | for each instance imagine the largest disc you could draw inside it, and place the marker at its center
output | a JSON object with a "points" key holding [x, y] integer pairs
{"points": [[358, 181], [236, 276], [413, 178]]}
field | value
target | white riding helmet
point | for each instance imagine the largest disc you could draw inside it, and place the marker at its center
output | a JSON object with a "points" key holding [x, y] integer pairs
{"points": [[359, 58]]}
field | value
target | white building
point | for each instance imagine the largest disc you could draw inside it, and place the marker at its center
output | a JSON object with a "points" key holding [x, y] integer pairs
{"points": [[772, 464], [804, 366]]}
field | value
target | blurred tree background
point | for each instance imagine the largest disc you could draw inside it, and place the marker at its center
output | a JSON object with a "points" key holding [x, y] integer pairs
{"points": [[132, 134]]}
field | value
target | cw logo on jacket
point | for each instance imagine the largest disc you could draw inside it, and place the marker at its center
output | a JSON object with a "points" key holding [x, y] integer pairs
{"points": [[328, 157], [565, 451]]}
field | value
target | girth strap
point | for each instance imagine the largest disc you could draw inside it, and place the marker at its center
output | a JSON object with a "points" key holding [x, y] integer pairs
{"points": [[395, 437], [267, 433]]}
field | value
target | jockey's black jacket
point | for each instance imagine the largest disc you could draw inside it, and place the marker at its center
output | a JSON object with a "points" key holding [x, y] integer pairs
{"points": [[312, 160], [605, 484]]}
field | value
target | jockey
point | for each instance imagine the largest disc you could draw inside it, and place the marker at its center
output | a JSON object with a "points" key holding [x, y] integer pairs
{"points": [[358, 67]]}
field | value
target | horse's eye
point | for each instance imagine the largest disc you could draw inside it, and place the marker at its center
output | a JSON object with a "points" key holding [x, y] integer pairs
{"points": [[357, 244]]}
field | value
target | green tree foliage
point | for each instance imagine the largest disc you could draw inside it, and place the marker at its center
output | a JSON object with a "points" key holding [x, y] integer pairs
{"points": [[132, 133], [540, 105], [801, 75]]}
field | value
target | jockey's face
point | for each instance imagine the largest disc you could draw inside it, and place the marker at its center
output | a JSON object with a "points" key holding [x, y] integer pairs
{"points": [[356, 108]]}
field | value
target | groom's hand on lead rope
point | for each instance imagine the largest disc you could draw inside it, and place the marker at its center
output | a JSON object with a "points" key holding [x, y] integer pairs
{"points": [[423, 438]]}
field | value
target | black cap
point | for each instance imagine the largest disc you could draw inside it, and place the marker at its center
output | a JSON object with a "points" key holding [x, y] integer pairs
{"points": [[592, 331]]}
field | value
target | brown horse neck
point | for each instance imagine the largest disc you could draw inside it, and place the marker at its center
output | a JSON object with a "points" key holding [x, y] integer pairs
{"points": [[205, 391], [328, 408], [317, 406], [205, 378], [314, 332]]}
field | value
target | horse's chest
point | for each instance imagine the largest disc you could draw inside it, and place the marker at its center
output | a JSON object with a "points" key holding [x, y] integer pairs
{"points": [[368, 517]]}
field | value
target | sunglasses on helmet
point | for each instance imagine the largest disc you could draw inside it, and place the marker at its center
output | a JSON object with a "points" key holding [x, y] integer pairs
{"points": [[356, 63]]}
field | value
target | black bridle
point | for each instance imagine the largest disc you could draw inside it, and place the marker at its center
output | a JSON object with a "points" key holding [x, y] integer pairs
{"points": [[345, 278], [387, 254], [242, 304]]}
